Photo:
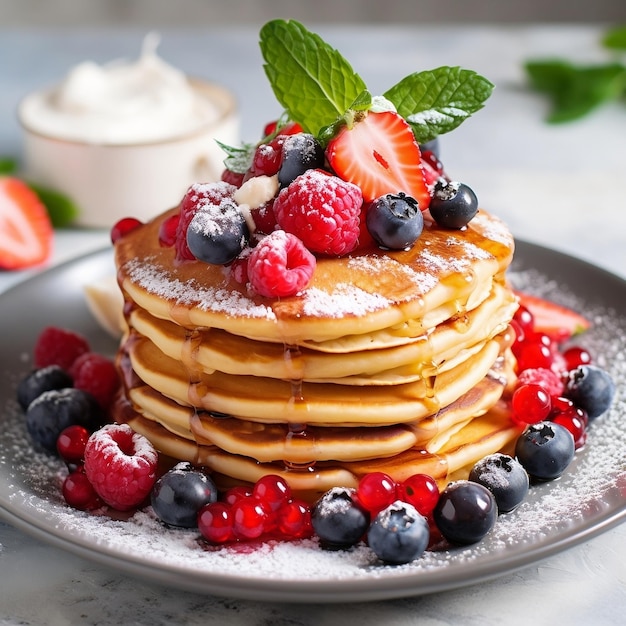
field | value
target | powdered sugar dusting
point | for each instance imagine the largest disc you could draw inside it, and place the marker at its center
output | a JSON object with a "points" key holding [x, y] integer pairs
{"points": [[345, 299], [585, 497], [220, 300]]}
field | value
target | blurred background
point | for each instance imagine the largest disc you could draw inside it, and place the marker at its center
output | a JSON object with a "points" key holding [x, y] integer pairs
{"points": [[172, 13]]}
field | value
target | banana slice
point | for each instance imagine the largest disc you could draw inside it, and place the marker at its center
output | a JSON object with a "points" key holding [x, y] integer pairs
{"points": [[106, 303]]}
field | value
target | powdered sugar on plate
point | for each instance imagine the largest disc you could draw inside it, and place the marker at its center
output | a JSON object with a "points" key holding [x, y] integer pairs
{"points": [[585, 499]]}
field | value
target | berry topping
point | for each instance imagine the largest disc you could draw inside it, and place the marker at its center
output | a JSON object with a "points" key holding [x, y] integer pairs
{"points": [[421, 491], [217, 233], [322, 210], [97, 375], [53, 411], [453, 204], [280, 265], [338, 519], [380, 155], [215, 522], [545, 450], [71, 444], [466, 512], [591, 389], [394, 221], [123, 227], [546, 378], [196, 196], [530, 404], [179, 495], [556, 321], [58, 346], [398, 534], [79, 493], [40, 380], [376, 491], [300, 153], [121, 465], [26, 233], [168, 229], [504, 477]]}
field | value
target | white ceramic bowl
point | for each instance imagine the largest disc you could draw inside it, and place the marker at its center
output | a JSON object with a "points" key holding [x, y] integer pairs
{"points": [[112, 181]]}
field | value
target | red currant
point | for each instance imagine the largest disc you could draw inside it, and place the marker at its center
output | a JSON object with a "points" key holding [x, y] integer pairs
{"points": [[79, 492], [234, 494], [376, 491], [530, 404], [525, 319], [420, 490], [233, 178], [123, 227], [71, 443], [273, 490], [168, 230], [576, 356], [251, 518], [533, 354], [215, 522], [294, 520]]}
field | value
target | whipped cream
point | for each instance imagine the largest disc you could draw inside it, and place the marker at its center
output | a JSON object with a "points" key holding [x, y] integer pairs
{"points": [[121, 102]]}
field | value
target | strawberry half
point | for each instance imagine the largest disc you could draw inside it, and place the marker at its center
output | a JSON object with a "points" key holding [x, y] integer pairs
{"points": [[380, 155], [25, 227], [557, 321]]}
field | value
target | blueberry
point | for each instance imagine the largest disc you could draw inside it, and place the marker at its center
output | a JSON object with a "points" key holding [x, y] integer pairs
{"points": [[545, 450], [54, 410], [465, 512], [338, 520], [399, 534], [394, 221], [217, 233], [453, 204], [40, 380], [180, 493], [504, 477], [591, 389], [300, 153]]}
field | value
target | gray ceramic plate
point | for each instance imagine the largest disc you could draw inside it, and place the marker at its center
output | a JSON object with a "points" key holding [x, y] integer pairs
{"points": [[587, 500]]}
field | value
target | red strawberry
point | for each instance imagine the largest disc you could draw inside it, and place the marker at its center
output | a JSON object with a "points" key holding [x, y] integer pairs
{"points": [[554, 320], [25, 227], [380, 155]]}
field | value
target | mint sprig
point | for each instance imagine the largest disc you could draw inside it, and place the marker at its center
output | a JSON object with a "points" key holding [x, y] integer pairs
{"points": [[319, 89], [310, 79], [575, 90], [437, 101]]}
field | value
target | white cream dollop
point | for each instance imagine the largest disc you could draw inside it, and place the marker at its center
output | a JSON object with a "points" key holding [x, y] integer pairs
{"points": [[121, 102]]}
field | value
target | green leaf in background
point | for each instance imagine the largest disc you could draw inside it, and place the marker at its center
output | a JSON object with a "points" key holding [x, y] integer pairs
{"points": [[61, 209], [7, 166], [615, 38], [311, 80], [437, 101], [574, 90]]}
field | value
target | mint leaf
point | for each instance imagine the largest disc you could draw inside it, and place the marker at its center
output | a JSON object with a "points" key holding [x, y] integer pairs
{"points": [[437, 101], [574, 90], [238, 158], [615, 38], [310, 79], [61, 209]]}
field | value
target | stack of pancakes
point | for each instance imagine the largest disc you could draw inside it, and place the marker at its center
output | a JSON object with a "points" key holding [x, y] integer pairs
{"points": [[391, 361]]}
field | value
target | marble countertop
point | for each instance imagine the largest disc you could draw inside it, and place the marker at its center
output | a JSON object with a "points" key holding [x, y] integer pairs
{"points": [[558, 186]]}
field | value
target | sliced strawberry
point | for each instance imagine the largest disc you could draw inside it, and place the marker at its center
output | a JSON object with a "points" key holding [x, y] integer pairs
{"points": [[380, 155], [25, 227], [554, 320]]}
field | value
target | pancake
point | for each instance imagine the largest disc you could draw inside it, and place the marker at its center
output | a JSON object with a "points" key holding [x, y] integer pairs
{"points": [[394, 361]]}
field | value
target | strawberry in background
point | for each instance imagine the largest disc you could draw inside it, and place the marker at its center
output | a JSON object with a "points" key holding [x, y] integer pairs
{"points": [[25, 226]]}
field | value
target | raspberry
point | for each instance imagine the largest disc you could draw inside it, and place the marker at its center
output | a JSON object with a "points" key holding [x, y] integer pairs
{"points": [[197, 195], [121, 465], [97, 375], [322, 210], [548, 379], [58, 346], [280, 265]]}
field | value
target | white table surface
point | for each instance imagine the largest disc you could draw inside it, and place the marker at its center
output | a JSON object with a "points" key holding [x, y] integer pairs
{"points": [[559, 186]]}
